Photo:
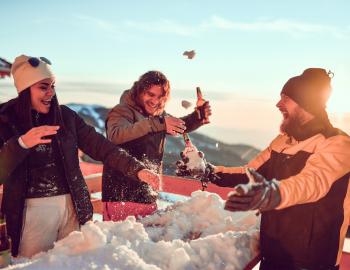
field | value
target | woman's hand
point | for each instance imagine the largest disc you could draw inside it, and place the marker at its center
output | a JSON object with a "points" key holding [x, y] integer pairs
{"points": [[36, 135], [150, 178], [174, 125]]}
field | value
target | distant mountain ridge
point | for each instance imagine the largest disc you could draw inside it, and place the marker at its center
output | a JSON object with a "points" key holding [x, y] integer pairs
{"points": [[216, 152]]}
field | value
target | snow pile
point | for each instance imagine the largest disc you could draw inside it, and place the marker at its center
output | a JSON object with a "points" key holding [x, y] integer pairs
{"points": [[196, 234]]}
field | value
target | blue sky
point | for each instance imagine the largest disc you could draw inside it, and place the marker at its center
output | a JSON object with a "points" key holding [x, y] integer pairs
{"points": [[245, 49]]}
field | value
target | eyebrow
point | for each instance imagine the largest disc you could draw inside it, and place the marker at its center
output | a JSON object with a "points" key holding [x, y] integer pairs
{"points": [[154, 94]]}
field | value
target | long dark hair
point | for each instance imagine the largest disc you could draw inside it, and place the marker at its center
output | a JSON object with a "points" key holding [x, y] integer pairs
{"points": [[24, 112]]}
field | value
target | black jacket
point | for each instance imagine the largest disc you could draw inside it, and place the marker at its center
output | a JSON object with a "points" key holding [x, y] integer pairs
{"points": [[14, 169]]}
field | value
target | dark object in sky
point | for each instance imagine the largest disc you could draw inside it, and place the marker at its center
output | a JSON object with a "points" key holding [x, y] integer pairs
{"points": [[189, 54], [186, 104]]}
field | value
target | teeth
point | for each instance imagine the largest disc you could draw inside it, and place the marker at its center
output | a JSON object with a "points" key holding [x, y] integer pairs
{"points": [[46, 102]]}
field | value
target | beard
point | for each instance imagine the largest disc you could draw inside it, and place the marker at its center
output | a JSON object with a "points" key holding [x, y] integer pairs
{"points": [[293, 125]]}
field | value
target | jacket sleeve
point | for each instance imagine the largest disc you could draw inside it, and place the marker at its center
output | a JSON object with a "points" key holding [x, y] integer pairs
{"points": [[11, 155], [99, 148], [232, 176], [192, 121], [121, 128], [330, 162]]}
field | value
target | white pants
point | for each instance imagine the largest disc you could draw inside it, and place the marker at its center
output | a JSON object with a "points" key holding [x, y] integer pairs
{"points": [[46, 220]]}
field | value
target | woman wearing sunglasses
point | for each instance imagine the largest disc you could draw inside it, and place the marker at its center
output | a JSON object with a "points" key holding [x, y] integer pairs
{"points": [[45, 195]]}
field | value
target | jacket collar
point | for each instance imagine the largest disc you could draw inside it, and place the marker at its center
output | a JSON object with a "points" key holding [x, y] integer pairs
{"points": [[127, 99], [311, 128]]}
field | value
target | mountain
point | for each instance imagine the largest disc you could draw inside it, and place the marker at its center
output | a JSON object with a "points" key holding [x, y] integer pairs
{"points": [[215, 151]]}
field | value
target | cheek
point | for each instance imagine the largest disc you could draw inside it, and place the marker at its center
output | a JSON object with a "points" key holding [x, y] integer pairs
{"points": [[143, 101], [36, 98]]}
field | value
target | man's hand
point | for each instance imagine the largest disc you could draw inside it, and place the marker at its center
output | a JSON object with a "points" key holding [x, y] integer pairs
{"points": [[35, 135], [261, 194], [210, 174], [150, 178], [203, 112], [174, 125]]}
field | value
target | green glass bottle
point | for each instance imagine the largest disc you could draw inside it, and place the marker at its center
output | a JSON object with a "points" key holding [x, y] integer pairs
{"points": [[5, 244]]}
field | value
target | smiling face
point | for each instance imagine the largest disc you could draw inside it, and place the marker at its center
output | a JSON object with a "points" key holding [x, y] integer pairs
{"points": [[41, 95], [293, 115], [152, 100]]}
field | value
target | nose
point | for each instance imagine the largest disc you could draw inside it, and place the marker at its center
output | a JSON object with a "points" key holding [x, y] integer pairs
{"points": [[50, 91], [279, 104], [155, 100]]}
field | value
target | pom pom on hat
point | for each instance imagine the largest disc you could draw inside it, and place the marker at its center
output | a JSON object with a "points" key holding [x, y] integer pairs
{"points": [[310, 90], [26, 74]]}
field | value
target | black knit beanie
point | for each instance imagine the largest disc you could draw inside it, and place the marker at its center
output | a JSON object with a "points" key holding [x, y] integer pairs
{"points": [[310, 90]]}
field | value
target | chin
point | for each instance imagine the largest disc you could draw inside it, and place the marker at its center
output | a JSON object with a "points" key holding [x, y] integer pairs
{"points": [[151, 112], [44, 110]]}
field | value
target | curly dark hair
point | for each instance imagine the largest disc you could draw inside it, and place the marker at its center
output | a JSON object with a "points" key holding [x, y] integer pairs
{"points": [[149, 79]]}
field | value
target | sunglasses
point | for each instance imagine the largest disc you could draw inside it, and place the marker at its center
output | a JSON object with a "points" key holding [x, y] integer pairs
{"points": [[35, 61]]}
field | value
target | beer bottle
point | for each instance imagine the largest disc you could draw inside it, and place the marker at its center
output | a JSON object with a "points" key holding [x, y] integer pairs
{"points": [[5, 244], [200, 102]]}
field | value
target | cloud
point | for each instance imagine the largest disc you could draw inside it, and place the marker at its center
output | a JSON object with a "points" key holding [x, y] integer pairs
{"points": [[165, 26], [278, 25], [96, 22], [162, 26]]}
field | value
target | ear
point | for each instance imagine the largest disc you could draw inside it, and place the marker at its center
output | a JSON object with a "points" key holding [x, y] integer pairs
{"points": [[306, 116]]}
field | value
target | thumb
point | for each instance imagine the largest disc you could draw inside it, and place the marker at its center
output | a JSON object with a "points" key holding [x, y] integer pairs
{"points": [[254, 176]]}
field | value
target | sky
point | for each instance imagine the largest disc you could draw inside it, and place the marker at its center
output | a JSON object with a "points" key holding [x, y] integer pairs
{"points": [[194, 234], [245, 52]]}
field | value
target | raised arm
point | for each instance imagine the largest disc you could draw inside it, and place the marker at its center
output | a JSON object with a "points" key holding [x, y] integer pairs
{"points": [[232, 176], [99, 148]]}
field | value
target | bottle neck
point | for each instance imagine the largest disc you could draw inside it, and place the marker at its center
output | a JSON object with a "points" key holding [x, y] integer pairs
{"points": [[187, 140], [200, 99]]}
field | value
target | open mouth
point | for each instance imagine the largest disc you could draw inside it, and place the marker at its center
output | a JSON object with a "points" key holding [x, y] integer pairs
{"points": [[151, 106], [46, 102], [285, 114]]}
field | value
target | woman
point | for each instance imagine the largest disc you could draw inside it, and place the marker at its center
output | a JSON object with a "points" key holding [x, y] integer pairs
{"points": [[139, 124], [45, 196]]}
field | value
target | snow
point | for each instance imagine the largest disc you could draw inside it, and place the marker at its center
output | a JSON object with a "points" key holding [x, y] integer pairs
{"points": [[195, 163], [193, 234]]}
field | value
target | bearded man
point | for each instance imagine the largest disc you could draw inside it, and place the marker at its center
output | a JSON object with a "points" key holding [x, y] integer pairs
{"points": [[299, 183]]}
